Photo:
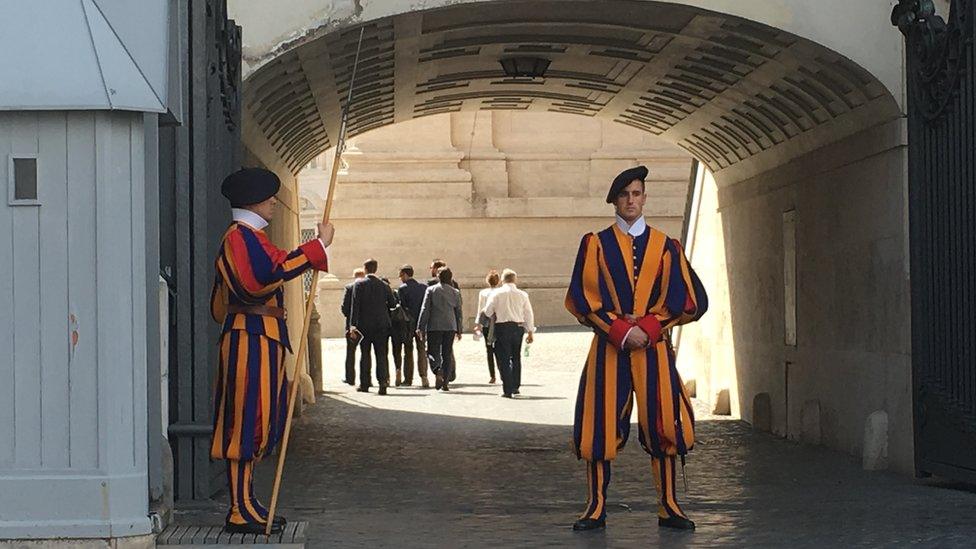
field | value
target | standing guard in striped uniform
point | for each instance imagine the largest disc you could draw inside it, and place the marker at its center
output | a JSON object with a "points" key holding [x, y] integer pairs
{"points": [[631, 284], [250, 391]]}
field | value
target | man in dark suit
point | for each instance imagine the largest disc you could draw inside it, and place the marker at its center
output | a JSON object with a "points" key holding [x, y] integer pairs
{"points": [[411, 295], [351, 340], [372, 300]]}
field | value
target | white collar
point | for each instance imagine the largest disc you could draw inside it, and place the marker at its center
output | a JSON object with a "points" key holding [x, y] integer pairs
{"points": [[249, 218], [636, 229]]}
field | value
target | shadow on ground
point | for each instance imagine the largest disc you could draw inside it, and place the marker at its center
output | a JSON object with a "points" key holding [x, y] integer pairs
{"points": [[369, 477]]}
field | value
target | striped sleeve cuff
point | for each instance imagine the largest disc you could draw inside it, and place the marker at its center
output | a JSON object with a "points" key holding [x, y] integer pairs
{"points": [[618, 332], [652, 326]]}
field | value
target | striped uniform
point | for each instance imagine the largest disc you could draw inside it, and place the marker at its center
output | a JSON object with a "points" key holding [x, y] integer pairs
{"points": [[619, 282], [250, 391]]}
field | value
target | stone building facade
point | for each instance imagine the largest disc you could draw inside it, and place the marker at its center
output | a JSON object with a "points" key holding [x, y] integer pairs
{"points": [[485, 190]]}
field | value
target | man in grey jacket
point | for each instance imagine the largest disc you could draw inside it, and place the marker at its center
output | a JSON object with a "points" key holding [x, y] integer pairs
{"points": [[440, 325]]}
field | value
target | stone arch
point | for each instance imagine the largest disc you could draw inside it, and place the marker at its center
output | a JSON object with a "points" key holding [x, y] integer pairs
{"points": [[795, 106], [738, 94]]}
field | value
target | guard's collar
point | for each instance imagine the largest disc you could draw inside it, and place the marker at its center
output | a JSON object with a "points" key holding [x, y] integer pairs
{"points": [[249, 218], [636, 229]]}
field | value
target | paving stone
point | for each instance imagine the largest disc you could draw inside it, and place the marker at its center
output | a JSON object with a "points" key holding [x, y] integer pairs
{"points": [[469, 469]]}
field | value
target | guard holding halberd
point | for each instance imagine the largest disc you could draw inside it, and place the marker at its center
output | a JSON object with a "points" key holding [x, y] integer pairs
{"points": [[250, 392]]}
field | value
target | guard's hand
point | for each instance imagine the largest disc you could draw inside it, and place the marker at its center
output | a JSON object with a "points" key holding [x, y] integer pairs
{"points": [[636, 339], [529, 338], [326, 233], [457, 336]]}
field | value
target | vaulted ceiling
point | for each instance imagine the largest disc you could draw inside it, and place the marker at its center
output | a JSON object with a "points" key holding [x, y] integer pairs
{"points": [[727, 90]]}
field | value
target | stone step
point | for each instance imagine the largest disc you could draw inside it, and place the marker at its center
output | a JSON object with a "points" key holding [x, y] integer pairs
{"points": [[402, 208], [179, 537], [414, 189]]}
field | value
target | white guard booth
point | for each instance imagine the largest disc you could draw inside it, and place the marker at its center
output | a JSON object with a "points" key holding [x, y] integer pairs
{"points": [[82, 80]]}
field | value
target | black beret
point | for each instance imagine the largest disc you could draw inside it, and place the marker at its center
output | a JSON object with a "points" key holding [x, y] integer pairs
{"points": [[625, 178], [250, 186]]}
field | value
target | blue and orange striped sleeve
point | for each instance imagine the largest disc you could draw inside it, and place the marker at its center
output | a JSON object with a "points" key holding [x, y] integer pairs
{"points": [[270, 264], [685, 300], [588, 297], [260, 267]]}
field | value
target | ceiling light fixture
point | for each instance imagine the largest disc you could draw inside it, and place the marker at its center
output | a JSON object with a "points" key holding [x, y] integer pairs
{"points": [[531, 67]]}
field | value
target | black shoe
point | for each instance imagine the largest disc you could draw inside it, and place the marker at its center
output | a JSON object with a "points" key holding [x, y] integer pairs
{"points": [[348, 382], [250, 528], [516, 392], [382, 389], [678, 523], [440, 382], [589, 524], [445, 388], [362, 390], [507, 395]]}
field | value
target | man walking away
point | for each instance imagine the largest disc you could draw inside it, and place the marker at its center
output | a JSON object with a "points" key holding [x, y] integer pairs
{"points": [[435, 266], [352, 340], [411, 294], [440, 324], [513, 318], [372, 300], [402, 331]]}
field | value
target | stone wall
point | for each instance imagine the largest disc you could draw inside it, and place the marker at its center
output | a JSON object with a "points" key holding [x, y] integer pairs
{"points": [[485, 190], [852, 351]]}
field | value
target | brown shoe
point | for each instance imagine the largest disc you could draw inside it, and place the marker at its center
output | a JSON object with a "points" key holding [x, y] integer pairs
{"points": [[439, 381], [399, 378], [492, 381], [426, 384]]}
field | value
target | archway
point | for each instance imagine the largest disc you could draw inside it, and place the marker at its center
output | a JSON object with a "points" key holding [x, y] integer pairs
{"points": [[785, 124]]}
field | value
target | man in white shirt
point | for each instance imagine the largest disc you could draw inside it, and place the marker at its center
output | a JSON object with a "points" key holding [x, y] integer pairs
{"points": [[513, 318]]}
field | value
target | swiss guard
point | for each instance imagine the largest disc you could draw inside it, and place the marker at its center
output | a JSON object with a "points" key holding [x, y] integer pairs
{"points": [[631, 284], [250, 392]]}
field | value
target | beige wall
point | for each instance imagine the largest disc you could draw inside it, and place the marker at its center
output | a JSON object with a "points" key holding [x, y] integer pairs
{"points": [[483, 191], [853, 311], [706, 350]]}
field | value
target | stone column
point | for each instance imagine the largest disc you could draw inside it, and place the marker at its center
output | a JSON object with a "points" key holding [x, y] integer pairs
{"points": [[472, 134], [315, 350]]}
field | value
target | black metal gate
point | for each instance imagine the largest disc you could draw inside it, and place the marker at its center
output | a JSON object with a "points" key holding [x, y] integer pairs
{"points": [[942, 211], [193, 215]]}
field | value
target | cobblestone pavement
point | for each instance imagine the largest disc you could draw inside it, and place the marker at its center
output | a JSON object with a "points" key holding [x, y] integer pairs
{"points": [[469, 469]]}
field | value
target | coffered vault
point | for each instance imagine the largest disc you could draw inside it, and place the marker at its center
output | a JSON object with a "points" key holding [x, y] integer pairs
{"points": [[732, 92]]}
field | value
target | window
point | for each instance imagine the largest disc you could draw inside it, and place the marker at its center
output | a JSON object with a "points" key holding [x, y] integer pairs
{"points": [[22, 181]]}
